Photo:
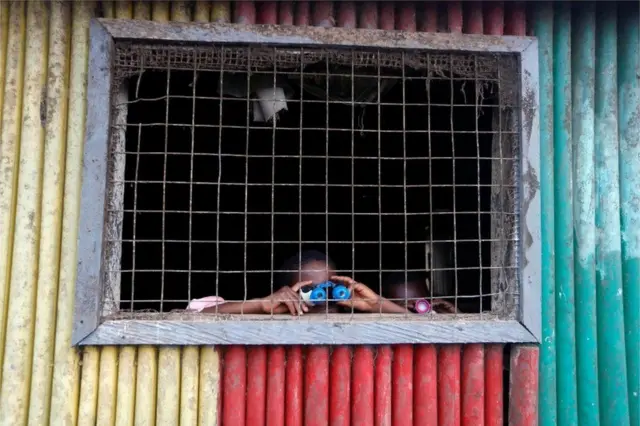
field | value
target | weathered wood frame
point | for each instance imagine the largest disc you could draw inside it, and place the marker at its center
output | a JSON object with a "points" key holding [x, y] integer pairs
{"points": [[362, 329]]}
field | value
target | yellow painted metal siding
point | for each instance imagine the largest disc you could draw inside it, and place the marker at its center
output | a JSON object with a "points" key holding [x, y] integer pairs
{"points": [[43, 380]]}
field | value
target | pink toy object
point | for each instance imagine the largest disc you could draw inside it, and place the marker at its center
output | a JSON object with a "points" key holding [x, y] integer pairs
{"points": [[422, 306]]}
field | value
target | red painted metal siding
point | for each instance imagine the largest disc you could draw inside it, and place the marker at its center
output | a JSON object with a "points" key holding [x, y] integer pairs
{"points": [[445, 385], [276, 386], [476, 17]]}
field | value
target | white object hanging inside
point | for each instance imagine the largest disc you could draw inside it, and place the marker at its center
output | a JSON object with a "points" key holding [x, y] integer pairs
{"points": [[271, 100]]}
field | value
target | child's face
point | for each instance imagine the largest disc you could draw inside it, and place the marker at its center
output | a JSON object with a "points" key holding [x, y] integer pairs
{"points": [[411, 292], [317, 271]]}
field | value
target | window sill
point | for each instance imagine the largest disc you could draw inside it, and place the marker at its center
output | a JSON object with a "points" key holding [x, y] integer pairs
{"points": [[318, 329]]}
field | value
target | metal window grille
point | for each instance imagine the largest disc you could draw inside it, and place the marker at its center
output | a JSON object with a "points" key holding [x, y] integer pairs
{"points": [[215, 152], [387, 162]]}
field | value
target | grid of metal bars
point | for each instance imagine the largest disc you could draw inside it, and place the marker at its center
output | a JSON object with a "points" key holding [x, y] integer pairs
{"points": [[196, 156]]}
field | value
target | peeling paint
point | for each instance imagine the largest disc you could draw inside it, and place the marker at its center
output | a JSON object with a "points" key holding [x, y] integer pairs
{"points": [[567, 399], [583, 99], [43, 108], [20, 325], [629, 128], [612, 386], [607, 179], [630, 166], [10, 151]]}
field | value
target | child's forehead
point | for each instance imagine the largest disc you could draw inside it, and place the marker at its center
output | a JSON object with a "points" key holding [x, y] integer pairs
{"points": [[412, 284]]}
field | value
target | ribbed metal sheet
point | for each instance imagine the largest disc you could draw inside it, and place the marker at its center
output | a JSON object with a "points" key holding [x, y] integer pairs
{"points": [[590, 159], [400, 385], [453, 16]]}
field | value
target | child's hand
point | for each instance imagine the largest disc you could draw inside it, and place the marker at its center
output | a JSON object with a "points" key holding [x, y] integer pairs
{"points": [[442, 307], [285, 299], [362, 297]]}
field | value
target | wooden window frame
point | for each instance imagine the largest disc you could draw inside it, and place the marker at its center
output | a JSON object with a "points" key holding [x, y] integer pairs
{"points": [[90, 329]]}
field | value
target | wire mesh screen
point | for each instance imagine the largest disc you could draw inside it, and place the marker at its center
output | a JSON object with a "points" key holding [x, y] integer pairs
{"points": [[243, 179]]}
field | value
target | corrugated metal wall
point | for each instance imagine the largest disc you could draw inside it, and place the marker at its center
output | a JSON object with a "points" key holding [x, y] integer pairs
{"points": [[590, 111], [403, 385]]}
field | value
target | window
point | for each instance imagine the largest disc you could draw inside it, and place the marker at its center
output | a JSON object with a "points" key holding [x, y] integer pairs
{"points": [[216, 155]]}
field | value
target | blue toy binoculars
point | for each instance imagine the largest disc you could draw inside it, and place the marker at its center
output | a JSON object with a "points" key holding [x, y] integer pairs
{"points": [[320, 293]]}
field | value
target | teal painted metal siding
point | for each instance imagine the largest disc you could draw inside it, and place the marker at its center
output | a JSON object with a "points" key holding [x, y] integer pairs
{"points": [[611, 342], [629, 134], [543, 28], [590, 180], [583, 143]]}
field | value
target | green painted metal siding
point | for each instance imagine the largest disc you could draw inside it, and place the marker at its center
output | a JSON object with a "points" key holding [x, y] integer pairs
{"points": [[590, 179]]}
